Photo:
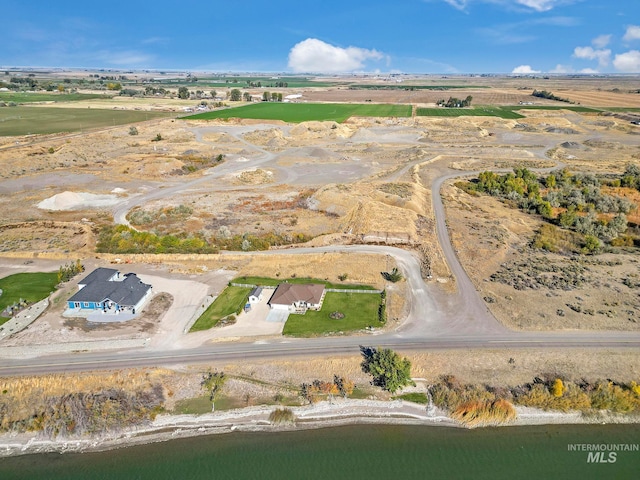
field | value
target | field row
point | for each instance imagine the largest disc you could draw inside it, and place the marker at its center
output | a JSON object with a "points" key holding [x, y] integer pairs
{"points": [[28, 97], [43, 120], [304, 112]]}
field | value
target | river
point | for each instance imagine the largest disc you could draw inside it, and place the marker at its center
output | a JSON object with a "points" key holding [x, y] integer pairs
{"points": [[358, 452]]}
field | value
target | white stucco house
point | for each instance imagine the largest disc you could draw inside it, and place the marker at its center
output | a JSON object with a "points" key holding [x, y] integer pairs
{"points": [[297, 298]]}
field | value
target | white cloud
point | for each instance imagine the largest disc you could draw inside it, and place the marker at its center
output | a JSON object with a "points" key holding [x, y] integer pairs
{"points": [[632, 33], [601, 41], [128, 58], [628, 62], [459, 4], [313, 55], [589, 71], [590, 53], [562, 69], [538, 5], [524, 70]]}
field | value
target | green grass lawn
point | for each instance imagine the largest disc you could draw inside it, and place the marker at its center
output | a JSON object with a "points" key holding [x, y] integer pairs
{"points": [[272, 282], [39, 120], [303, 112], [200, 405], [360, 311], [28, 97], [32, 287], [228, 302], [415, 397]]}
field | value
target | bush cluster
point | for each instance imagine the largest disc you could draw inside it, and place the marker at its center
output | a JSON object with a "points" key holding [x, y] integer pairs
{"points": [[70, 270], [580, 204], [82, 413]]}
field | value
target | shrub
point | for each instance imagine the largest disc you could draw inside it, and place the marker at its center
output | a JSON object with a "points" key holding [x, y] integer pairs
{"points": [[393, 276], [473, 414], [558, 388], [282, 416]]}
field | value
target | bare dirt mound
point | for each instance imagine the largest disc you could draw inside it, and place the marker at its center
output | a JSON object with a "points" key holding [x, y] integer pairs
{"points": [[77, 201]]}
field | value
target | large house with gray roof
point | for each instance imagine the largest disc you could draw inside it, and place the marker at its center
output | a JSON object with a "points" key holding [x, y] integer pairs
{"points": [[108, 290]]}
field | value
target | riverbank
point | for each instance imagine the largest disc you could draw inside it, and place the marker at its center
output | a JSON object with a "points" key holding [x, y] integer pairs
{"points": [[339, 412]]}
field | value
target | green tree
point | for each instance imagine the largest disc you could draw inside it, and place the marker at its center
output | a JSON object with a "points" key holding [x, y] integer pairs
{"points": [[213, 382], [246, 96], [550, 181], [265, 97], [183, 93], [236, 95], [389, 371], [393, 276]]}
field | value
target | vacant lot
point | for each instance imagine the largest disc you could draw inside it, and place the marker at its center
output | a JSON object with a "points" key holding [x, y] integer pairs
{"points": [[228, 302], [360, 311], [304, 112], [31, 287], [31, 120]]}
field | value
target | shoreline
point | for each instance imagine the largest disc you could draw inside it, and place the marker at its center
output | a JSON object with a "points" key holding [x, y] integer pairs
{"points": [[324, 414]]}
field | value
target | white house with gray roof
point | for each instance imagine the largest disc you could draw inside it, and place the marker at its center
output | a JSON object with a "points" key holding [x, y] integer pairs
{"points": [[108, 290], [297, 298]]}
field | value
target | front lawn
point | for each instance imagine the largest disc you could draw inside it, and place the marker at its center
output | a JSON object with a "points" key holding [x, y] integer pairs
{"points": [[31, 287], [230, 301], [273, 282], [360, 311]]}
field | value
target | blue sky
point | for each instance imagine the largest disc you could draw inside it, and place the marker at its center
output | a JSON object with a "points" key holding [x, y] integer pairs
{"points": [[412, 36]]}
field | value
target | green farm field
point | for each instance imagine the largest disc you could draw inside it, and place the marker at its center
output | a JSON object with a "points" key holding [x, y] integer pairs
{"points": [[404, 86], [38, 120], [267, 82], [27, 97], [507, 112], [304, 112], [485, 111]]}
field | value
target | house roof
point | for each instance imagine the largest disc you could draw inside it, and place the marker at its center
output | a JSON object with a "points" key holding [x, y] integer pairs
{"points": [[289, 293], [256, 292], [98, 275], [127, 292]]}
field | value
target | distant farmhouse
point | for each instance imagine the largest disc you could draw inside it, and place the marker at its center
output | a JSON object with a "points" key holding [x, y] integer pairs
{"points": [[107, 290], [297, 298]]}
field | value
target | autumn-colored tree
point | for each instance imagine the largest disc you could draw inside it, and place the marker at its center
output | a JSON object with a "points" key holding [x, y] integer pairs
{"points": [[558, 388]]}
